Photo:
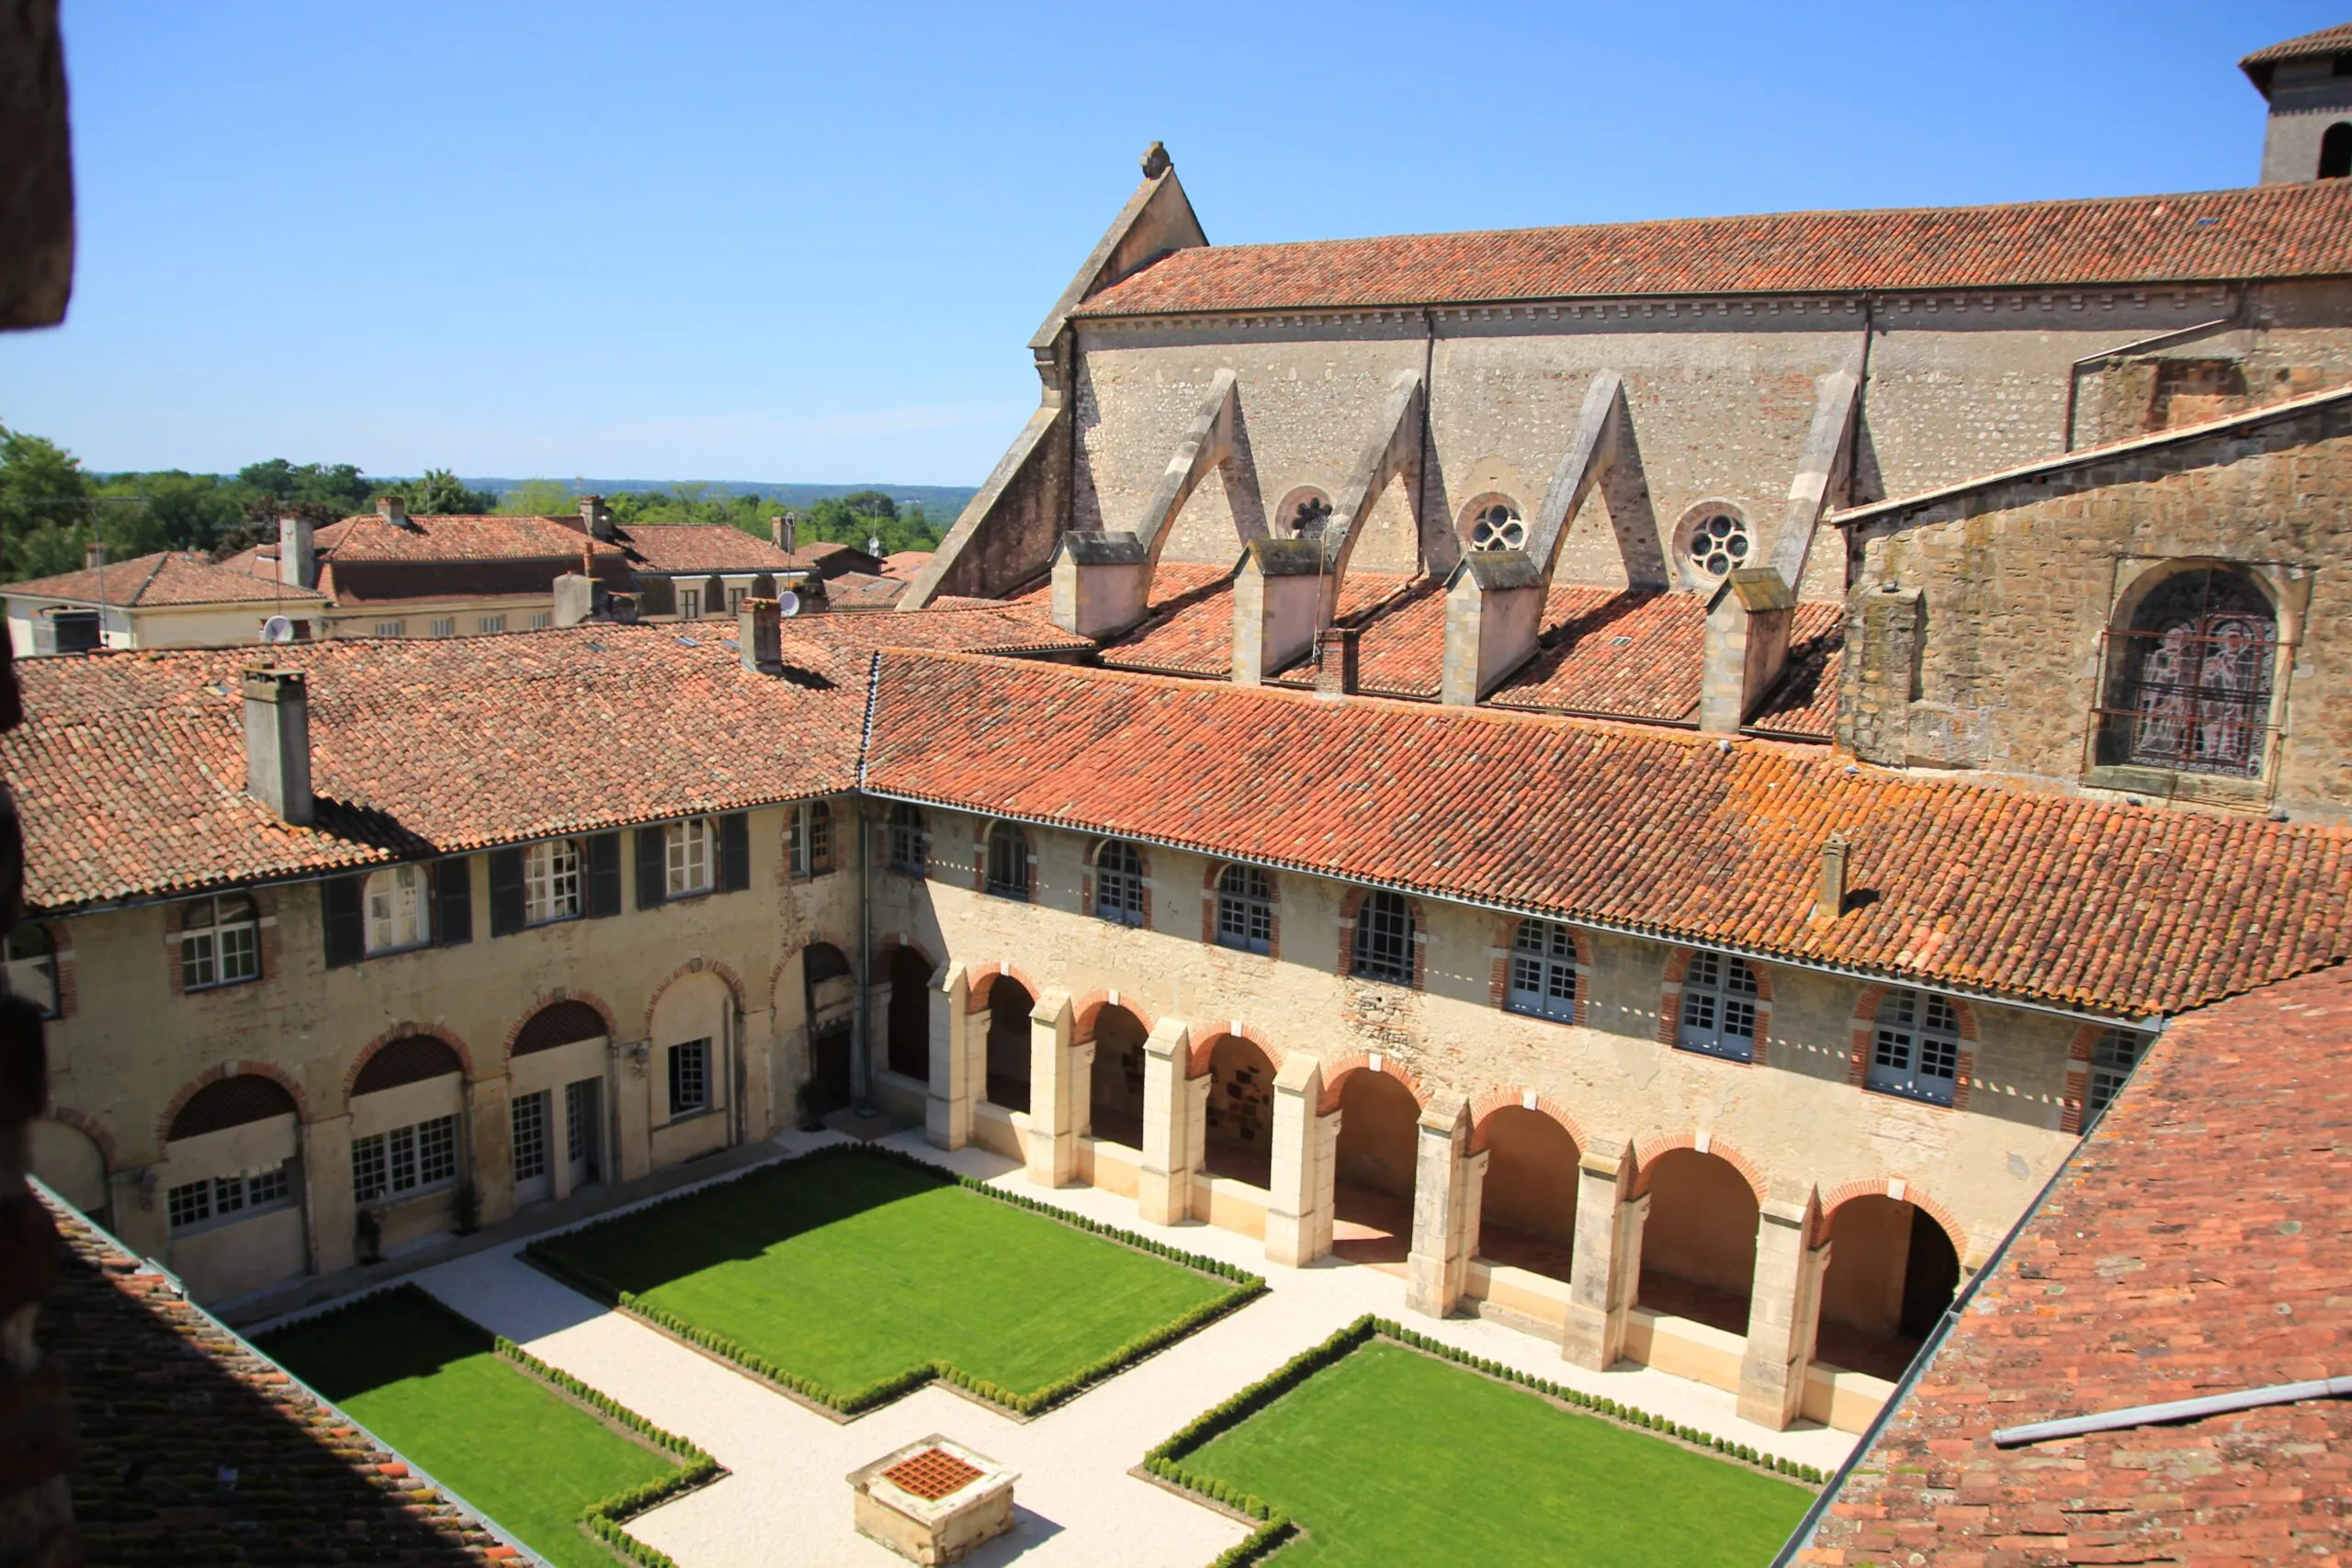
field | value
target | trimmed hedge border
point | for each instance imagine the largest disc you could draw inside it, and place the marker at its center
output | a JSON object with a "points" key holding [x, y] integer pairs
{"points": [[1247, 1287], [1165, 1461]]}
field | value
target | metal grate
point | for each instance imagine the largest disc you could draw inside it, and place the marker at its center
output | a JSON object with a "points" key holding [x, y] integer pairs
{"points": [[932, 1474]]}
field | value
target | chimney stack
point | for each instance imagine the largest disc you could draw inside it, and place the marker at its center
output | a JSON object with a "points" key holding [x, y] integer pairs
{"points": [[298, 556], [596, 517], [759, 632], [1829, 898], [93, 555], [1335, 661], [393, 509], [278, 743], [785, 531], [579, 597]]}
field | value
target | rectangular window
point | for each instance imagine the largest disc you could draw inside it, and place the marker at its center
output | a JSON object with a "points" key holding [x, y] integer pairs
{"points": [[552, 882], [689, 1076], [1543, 971], [531, 1136], [2112, 1059], [396, 918], [404, 1160], [447, 626], [1719, 995], [689, 604], [494, 623], [196, 1202], [735, 601], [392, 628], [808, 838], [687, 849], [579, 1105], [268, 1188], [220, 942], [190, 1204], [541, 621]]}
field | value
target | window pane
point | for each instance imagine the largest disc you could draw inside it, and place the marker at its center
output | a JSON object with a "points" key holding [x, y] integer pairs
{"points": [[1385, 939], [689, 1076], [531, 1136], [369, 1175], [438, 1151], [189, 1205], [196, 966], [240, 953], [1718, 1006]]}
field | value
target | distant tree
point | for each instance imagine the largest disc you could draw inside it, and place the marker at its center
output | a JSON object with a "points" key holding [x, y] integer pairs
{"points": [[540, 498], [340, 485], [188, 510], [869, 503], [441, 493]]}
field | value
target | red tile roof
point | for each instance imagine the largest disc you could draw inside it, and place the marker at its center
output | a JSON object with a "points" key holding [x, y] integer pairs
{"points": [[452, 538], [2195, 1244], [167, 1402], [2041, 896], [167, 578], [1638, 655], [701, 547], [906, 564], [2285, 230], [2337, 40], [1191, 629]]}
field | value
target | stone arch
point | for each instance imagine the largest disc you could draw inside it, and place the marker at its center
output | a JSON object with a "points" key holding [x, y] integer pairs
{"points": [[1008, 1001], [693, 967], [90, 1127], [908, 971], [1115, 1088], [988, 975], [211, 1076], [1196, 1060], [892, 943], [547, 1001], [1090, 1008], [1705, 1143], [75, 1157], [1336, 1074], [1902, 1190], [818, 936], [1528, 1203], [1890, 1278], [1374, 1163], [1483, 1109], [411, 1057], [1699, 1238], [404, 1032], [1238, 1139], [2177, 693]]}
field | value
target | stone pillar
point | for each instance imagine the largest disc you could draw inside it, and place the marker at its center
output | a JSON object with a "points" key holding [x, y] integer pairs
{"points": [[1299, 1217], [328, 1209], [1607, 1269], [1171, 1132], [1784, 1308], [948, 1111], [632, 1080], [558, 1142], [1053, 1133], [1445, 1211], [489, 1125]]}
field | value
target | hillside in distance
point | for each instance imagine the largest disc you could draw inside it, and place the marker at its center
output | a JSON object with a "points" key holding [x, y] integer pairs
{"points": [[943, 502]]}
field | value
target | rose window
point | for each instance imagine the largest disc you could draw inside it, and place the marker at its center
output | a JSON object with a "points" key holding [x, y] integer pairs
{"points": [[1718, 545], [1498, 527]]}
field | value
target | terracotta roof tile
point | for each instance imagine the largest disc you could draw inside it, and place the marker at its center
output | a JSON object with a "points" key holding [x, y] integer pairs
{"points": [[1190, 631], [453, 538], [702, 547], [168, 1402], [2327, 41], [1624, 654], [168, 577], [2194, 1245], [2284, 231], [2039, 896]]}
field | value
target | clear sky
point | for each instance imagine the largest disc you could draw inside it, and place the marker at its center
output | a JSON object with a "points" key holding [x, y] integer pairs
{"points": [[761, 241]]}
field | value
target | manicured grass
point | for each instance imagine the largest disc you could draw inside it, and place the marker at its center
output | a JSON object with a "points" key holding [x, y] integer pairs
{"points": [[430, 1385], [853, 1270], [1393, 1459]]}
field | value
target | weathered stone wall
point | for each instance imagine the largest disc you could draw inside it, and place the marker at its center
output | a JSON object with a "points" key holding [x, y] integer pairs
{"points": [[2019, 581], [131, 1043], [1797, 1117]]}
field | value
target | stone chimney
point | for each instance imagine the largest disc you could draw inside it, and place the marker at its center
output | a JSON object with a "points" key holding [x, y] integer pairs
{"points": [[93, 555], [596, 517], [278, 743], [1335, 661], [298, 554], [1829, 895], [579, 597], [785, 531], [759, 632], [393, 509]]}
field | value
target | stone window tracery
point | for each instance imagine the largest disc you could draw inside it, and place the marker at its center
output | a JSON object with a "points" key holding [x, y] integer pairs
{"points": [[2192, 674], [1715, 542], [1496, 525]]}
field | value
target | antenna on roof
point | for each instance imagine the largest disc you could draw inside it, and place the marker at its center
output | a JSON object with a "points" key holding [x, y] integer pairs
{"points": [[278, 629]]}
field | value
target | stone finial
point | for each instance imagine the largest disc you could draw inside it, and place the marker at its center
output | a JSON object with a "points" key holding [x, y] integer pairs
{"points": [[1156, 160]]}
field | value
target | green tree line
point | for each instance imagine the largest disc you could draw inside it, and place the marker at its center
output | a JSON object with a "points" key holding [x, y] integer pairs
{"points": [[852, 519]]}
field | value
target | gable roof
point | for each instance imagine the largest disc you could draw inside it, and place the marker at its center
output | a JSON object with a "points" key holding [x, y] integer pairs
{"points": [[701, 547], [2054, 899], [436, 536], [2192, 1244], [165, 578], [2283, 230]]}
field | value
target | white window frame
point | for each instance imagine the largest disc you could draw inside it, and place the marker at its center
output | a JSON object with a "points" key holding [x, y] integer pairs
{"points": [[397, 903], [541, 620], [398, 1165], [808, 838], [490, 623], [689, 604], [550, 880], [1119, 883], [1542, 971], [909, 839], [1721, 1006], [445, 626], [1245, 909], [1914, 1047], [392, 628], [213, 951], [690, 858], [33, 975], [689, 1064], [2113, 1057], [530, 1117], [219, 1201]]}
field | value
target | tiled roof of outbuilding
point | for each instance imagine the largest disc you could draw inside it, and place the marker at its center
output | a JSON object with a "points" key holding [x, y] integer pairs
{"points": [[2279, 230], [2194, 1245], [167, 578], [454, 536], [2115, 909], [702, 546], [168, 1404]]}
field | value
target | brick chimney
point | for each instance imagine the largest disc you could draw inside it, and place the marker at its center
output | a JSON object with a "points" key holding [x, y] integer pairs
{"points": [[759, 632], [596, 517], [298, 556], [278, 743], [93, 555], [1829, 894], [1335, 661], [393, 509], [785, 531]]}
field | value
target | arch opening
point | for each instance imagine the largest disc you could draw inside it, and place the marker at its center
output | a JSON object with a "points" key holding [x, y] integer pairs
{"points": [[910, 1020], [1009, 1004], [1892, 1273], [2335, 151], [1114, 1090], [833, 1018], [1699, 1241], [1373, 1179], [1527, 1209], [1241, 1111]]}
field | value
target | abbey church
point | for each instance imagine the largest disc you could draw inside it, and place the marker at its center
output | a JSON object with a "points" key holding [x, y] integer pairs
{"points": [[1653, 779]]}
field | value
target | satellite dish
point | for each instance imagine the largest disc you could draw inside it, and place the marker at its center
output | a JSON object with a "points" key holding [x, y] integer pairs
{"points": [[278, 629], [787, 602]]}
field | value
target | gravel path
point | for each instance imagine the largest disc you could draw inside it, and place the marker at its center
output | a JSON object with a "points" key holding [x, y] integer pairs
{"points": [[787, 1502]]}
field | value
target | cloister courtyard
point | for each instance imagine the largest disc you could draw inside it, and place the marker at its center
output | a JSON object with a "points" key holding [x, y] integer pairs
{"points": [[698, 1373]]}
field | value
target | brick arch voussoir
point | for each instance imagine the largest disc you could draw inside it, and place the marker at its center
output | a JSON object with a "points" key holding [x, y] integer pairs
{"points": [[219, 1071], [988, 975], [91, 1128], [1647, 1154], [1484, 1108], [889, 947], [1926, 1203], [540, 1004], [1089, 1010], [693, 967], [1196, 1060], [776, 974], [402, 1032], [1335, 1078]]}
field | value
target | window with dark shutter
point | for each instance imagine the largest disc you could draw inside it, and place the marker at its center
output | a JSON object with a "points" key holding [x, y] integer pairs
{"points": [[651, 868], [340, 914], [453, 902], [506, 892], [734, 853], [603, 857]]}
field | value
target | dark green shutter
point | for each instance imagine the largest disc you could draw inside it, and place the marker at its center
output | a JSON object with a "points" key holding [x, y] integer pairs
{"points": [[453, 901], [340, 908], [604, 875], [652, 868], [734, 853], [506, 892]]}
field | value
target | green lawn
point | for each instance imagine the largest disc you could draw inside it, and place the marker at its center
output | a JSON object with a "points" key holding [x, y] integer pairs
{"points": [[1392, 1459], [852, 1270], [429, 1383]]}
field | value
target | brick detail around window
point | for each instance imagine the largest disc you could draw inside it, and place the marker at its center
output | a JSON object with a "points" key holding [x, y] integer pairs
{"points": [[1353, 902], [2073, 1107], [1273, 909], [1865, 1026]]}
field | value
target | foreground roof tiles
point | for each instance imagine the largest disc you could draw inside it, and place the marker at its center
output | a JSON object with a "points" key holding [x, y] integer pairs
{"points": [[195, 1448], [2327, 41], [2194, 1245], [2115, 909], [2285, 230], [167, 578]]}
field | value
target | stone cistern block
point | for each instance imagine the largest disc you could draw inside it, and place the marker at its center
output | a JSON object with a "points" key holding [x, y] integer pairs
{"points": [[933, 1500]]}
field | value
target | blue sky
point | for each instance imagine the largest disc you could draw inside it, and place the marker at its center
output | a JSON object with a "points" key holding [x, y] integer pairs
{"points": [[774, 242]]}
